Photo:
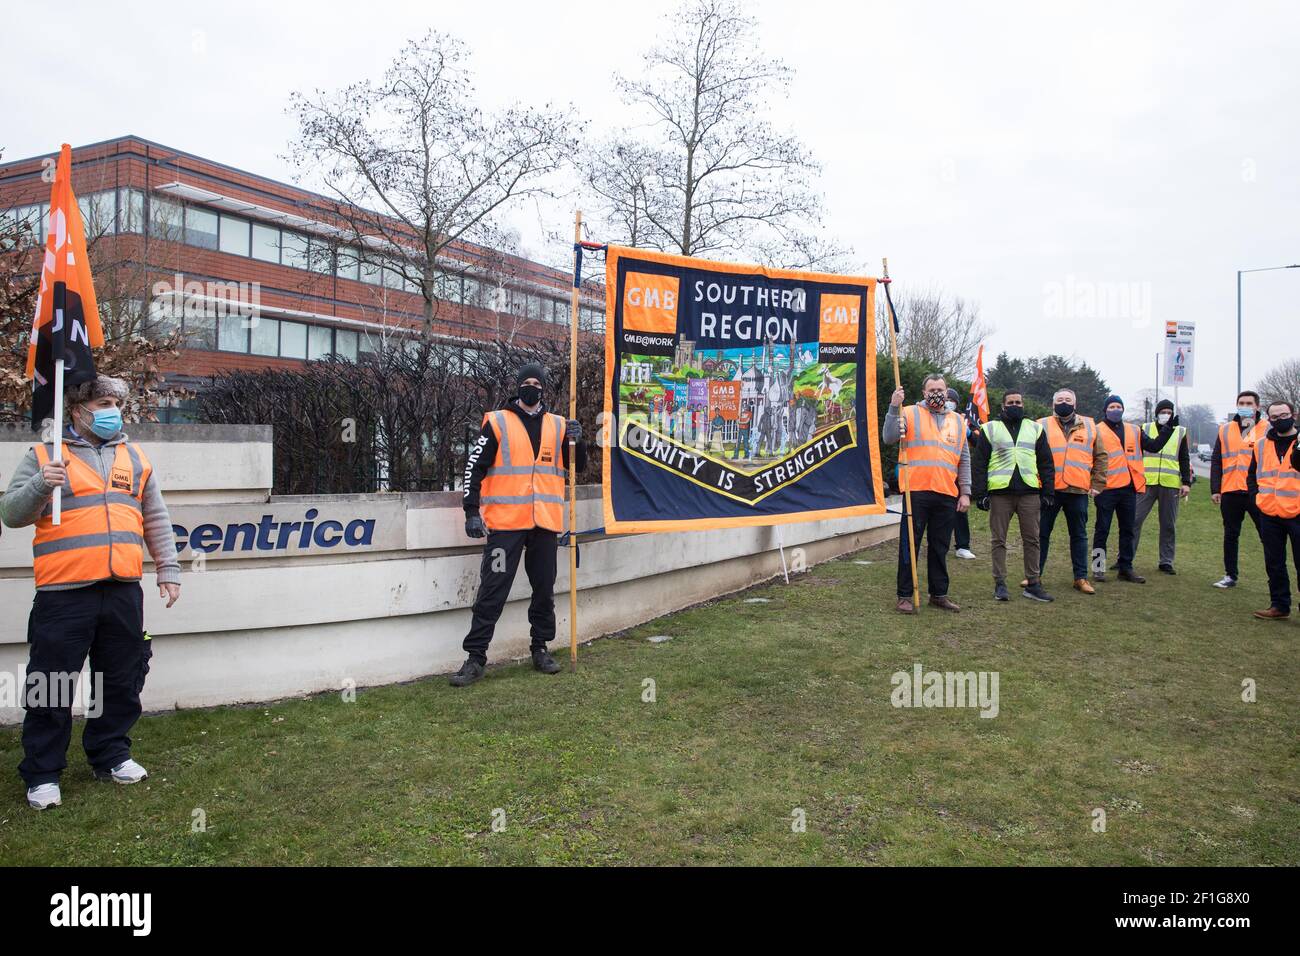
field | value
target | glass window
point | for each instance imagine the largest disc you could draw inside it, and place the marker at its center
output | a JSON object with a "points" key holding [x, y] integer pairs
{"points": [[293, 340], [200, 330], [473, 292], [96, 213], [165, 219], [318, 342], [234, 236], [535, 307], [518, 302], [348, 264], [370, 272], [163, 318], [320, 256], [266, 243], [232, 333], [200, 227], [393, 279], [293, 249], [345, 344], [367, 343], [266, 336], [27, 221]]}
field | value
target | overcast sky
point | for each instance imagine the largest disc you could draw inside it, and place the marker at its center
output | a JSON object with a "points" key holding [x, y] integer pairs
{"points": [[1033, 158]]}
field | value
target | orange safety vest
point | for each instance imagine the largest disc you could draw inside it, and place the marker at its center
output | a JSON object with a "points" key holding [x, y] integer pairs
{"points": [[100, 535], [1236, 451], [521, 491], [933, 452], [1073, 459], [1279, 483], [1124, 463]]}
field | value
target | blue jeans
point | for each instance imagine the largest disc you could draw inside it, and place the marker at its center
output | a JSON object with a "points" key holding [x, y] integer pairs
{"points": [[1076, 519]]}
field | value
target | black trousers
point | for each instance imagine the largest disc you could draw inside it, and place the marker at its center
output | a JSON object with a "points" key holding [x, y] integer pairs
{"points": [[1118, 503], [961, 530], [1235, 506], [1274, 533], [500, 562], [1076, 519], [106, 622], [933, 517]]}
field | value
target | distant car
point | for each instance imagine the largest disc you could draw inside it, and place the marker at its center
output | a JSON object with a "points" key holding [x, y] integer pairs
{"points": [[1204, 452]]}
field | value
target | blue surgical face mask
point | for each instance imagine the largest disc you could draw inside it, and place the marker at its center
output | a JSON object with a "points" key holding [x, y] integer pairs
{"points": [[1114, 415], [1245, 411], [107, 422]]}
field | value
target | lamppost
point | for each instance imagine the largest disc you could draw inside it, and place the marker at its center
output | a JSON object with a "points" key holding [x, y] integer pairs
{"points": [[1241, 272]]}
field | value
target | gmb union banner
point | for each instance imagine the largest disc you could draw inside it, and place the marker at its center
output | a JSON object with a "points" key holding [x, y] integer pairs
{"points": [[736, 395]]}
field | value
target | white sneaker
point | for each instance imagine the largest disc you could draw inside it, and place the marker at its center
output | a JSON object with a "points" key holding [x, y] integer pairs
{"points": [[128, 771], [966, 553], [43, 796], [1226, 582]]}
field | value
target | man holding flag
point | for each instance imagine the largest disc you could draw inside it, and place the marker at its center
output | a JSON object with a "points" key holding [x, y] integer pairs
{"points": [[94, 512]]}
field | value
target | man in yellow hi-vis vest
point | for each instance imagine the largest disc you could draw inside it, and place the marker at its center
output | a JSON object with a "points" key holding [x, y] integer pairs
{"points": [[514, 496], [88, 597], [1169, 480]]}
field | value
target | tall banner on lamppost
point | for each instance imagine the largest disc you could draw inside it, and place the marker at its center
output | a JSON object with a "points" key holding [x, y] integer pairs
{"points": [[1180, 342], [777, 368]]}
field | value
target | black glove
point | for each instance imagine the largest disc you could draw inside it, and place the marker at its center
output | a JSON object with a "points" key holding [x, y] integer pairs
{"points": [[1173, 422], [474, 526], [1048, 500], [983, 503], [573, 430]]}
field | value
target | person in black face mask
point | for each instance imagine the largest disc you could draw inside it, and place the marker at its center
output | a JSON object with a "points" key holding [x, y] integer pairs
{"points": [[516, 475]]}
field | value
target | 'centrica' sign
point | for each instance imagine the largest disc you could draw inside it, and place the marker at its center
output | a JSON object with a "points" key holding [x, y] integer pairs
{"points": [[278, 529]]}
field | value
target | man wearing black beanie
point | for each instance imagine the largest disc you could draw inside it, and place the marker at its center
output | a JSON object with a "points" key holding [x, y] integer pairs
{"points": [[1126, 445], [1169, 479], [516, 475]]}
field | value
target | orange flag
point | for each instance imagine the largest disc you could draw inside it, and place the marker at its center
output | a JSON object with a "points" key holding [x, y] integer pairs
{"points": [[979, 392], [66, 325]]}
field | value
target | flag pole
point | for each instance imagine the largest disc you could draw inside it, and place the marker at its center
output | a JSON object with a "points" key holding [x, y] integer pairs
{"points": [[56, 506], [573, 461], [902, 447]]}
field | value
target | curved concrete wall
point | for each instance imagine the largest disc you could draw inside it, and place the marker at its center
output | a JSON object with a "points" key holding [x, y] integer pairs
{"points": [[301, 594]]}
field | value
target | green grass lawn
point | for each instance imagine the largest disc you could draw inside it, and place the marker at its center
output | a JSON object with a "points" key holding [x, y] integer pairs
{"points": [[1129, 701]]}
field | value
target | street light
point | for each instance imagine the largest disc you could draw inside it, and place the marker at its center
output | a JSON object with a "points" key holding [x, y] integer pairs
{"points": [[1240, 272]]}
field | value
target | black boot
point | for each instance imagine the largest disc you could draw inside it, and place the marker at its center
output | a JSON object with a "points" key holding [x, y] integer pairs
{"points": [[544, 662], [469, 672], [1000, 591]]}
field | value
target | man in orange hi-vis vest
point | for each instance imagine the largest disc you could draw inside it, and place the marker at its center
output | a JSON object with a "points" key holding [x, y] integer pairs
{"points": [[1079, 454], [88, 597], [1276, 470], [1232, 477], [938, 473], [514, 496]]}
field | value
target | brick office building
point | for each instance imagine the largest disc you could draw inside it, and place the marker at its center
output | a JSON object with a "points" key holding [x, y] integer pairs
{"points": [[178, 241]]}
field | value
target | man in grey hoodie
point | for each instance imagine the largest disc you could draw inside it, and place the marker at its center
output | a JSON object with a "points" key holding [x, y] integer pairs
{"points": [[88, 595]]}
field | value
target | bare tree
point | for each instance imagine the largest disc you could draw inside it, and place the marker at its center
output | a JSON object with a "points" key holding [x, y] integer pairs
{"points": [[1281, 383], [709, 175], [936, 329], [418, 167]]}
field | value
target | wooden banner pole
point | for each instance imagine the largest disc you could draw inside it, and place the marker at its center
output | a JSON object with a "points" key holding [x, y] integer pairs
{"points": [[573, 471], [902, 447]]}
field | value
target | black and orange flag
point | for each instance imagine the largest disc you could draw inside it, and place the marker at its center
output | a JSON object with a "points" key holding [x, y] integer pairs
{"points": [[66, 325]]}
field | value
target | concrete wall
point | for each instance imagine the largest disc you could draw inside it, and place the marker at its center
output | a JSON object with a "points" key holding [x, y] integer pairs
{"points": [[384, 593]]}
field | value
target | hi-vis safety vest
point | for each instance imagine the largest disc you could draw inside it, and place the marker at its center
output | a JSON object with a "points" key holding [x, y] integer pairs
{"points": [[1124, 462], [1072, 458], [1162, 467], [519, 491], [100, 535], [1235, 451], [933, 452], [1010, 454], [1279, 483]]}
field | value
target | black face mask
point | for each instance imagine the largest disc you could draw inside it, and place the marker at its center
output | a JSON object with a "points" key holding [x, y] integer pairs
{"points": [[530, 394], [1283, 425], [1013, 413], [1064, 409]]}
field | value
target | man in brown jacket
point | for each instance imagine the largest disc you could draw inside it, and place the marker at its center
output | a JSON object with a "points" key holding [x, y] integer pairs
{"points": [[1079, 455]]}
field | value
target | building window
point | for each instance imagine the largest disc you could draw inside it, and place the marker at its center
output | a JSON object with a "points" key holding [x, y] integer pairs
{"points": [[367, 344], [266, 243], [265, 336], [371, 273], [200, 330], [348, 264], [165, 219], [345, 344], [164, 318], [200, 227], [320, 256], [293, 340], [234, 236], [318, 342], [473, 293], [232, 333], [293, 249], [130, 210], [393, 279], [96, 214]]}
